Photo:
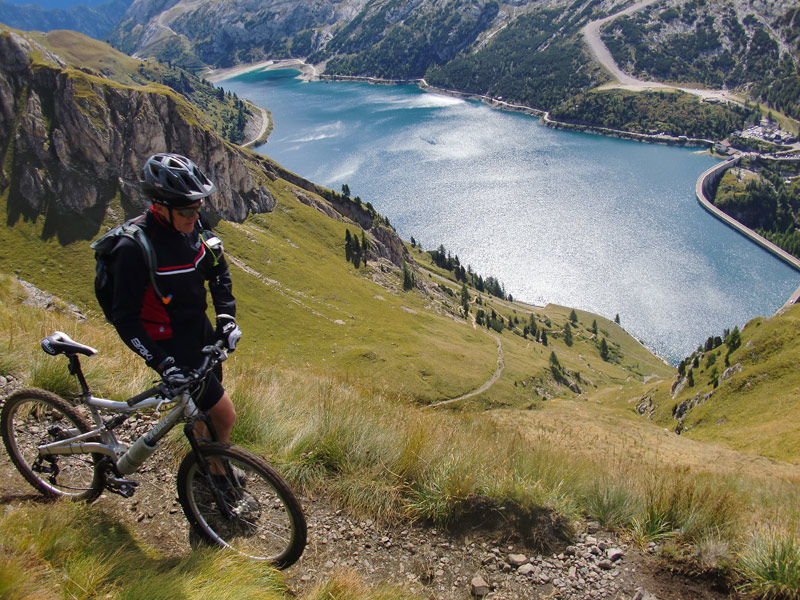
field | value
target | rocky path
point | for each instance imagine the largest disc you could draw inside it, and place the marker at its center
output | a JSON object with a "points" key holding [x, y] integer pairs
{"points": [[424, 561], [427, 562]]}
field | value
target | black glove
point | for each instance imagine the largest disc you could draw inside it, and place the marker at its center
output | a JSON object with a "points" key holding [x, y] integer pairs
{"points": [[228, 331], [174, 375]]}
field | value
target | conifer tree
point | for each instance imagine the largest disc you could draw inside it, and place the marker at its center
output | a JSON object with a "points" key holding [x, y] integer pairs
{"points": [[356, 252], [567, 334], [408, 278], [573, 317], [604, 349], [544, 338]]}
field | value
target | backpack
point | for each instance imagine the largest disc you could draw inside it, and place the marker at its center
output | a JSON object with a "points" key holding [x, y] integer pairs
{"points": [[104, 275]]}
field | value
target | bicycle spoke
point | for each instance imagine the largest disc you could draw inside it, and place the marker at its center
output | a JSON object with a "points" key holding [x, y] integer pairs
{"points": [[251, 511]]}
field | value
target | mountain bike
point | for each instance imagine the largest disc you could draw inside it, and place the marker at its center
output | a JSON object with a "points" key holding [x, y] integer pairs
{"points": [[230, 496]]}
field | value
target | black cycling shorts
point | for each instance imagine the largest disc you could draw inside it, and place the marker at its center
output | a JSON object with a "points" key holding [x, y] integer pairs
{"points": [[212, 392]]}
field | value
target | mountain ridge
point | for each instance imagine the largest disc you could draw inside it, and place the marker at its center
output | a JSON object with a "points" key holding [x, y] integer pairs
{"points": [[339, 360], [524, 52]]}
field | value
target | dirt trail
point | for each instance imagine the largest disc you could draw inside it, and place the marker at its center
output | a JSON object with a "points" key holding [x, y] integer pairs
{"points": [[487, 384], [591, 34], [424, 561]]}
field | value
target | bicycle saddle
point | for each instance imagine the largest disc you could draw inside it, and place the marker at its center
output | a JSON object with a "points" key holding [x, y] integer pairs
{"points": [[60, 343]]}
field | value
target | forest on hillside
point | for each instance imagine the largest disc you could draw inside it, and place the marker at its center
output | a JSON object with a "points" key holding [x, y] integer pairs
{"points": [[671, 112], [764, 196], [688, 44], [538, 61]]}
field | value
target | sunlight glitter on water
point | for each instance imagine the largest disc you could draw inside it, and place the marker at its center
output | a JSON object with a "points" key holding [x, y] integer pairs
{"points": [[597, 223]]}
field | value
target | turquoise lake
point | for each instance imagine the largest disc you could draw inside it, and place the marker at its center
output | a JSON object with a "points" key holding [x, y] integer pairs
{"points": [[600, 224]]}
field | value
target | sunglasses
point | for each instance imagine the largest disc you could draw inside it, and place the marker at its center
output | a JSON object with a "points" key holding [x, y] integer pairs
{"points": [[188, 213]]}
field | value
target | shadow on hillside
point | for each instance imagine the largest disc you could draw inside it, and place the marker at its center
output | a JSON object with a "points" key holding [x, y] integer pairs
{"points": [[61, 222], [538, 529]]}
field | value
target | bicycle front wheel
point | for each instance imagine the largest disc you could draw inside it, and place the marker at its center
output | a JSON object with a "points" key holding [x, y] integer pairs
{"points": [[34, 417], [250, 509]]}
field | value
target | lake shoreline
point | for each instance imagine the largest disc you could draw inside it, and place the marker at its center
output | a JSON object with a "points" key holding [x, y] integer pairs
{"points": [[310, 72], [446, 146]]}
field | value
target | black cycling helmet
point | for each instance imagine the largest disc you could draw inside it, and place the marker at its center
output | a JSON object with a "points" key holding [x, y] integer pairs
{"points": [[174, 180]]}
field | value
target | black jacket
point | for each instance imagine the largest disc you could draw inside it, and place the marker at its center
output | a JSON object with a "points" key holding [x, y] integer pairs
{"points": [[177, 325]]}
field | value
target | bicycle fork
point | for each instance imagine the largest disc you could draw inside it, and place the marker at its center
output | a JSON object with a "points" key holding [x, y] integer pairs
{"points": [[205, 467]]}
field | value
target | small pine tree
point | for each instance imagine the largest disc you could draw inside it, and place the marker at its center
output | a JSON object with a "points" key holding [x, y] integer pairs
{"points": [[604, 349], [594, 326], [733, 340], [465, 298], [544, 338], [356, 252], [348, 245], [408, 278], [567, 334], [573, 317], [616, 319], [364, 247]]}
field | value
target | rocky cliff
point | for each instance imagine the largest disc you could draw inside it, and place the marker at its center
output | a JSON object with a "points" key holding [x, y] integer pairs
{"points": [[71, 142]]}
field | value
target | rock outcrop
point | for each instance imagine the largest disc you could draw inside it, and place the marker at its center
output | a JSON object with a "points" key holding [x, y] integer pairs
{"points": [[71, 142]]}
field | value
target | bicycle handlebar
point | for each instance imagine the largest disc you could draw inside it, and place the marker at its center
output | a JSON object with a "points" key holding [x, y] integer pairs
{"points": [[144, 395], [214, 354]]}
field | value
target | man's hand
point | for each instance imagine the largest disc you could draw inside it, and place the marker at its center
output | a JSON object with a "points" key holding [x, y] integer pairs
{"points": [[175, 376], [228, 331]]}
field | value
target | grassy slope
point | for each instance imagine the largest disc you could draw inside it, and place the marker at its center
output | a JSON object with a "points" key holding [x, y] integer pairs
{"points": [[89, 54], [302, 305], [755, 410]]}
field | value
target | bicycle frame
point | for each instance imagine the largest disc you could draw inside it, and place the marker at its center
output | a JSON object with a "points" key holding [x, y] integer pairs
{"points": [[109, 446]]}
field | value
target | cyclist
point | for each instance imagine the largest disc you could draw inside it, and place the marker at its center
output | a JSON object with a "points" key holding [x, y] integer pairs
{"points": [[170, 331]]}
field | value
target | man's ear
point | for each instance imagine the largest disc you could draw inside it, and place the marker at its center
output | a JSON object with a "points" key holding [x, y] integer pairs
{"points": [[162, 211]]}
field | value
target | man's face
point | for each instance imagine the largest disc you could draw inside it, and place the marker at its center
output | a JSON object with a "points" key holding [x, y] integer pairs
{"points": [[183, 219]]}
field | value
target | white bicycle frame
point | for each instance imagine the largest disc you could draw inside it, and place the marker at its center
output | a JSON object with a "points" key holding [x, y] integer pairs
{"points": [[110, 445]]}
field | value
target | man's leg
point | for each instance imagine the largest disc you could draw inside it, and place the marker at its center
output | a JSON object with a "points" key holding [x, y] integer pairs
{"points": [[223, 417]]}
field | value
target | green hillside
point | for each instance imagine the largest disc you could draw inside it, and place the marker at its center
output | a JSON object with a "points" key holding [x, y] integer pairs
{"points": [[755, 406], [96, 57], [302, 304]]}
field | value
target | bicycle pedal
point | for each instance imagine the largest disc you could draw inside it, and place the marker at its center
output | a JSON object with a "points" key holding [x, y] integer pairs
{"points": [[124, 487]]}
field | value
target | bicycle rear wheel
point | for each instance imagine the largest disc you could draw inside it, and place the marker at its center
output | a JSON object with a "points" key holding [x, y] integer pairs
{"points": [[250, 510], [33, 417]]}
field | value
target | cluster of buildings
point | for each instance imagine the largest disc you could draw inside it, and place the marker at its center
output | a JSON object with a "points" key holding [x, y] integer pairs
{"points": [[769, 132]]}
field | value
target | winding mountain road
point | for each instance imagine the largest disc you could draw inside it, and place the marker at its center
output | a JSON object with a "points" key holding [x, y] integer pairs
{"points": [[591, 34]]}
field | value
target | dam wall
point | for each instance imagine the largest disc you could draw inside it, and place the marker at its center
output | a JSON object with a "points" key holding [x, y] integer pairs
{"points": [[704, 190]]}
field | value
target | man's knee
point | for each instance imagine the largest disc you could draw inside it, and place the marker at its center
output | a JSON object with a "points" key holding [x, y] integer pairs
{"points": [[223, 412]]}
